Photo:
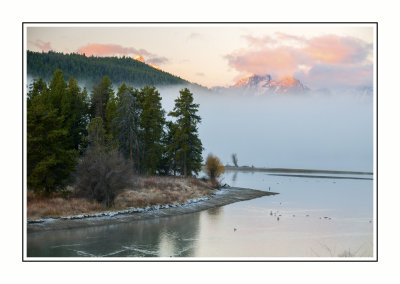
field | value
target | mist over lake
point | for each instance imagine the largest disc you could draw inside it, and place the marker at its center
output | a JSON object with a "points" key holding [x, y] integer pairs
{"points": [[311, 131], [304, 131]]}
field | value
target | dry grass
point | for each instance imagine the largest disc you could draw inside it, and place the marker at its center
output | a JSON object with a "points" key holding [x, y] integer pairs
{"points": [[143, 191], [57, 206], [161, 190]]}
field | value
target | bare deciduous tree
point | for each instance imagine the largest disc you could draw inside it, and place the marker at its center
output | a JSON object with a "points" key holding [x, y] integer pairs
{"points": [[235, 159], [101, 174]]}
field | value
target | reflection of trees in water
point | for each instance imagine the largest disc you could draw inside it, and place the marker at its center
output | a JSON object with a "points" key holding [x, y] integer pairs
{"points": [[216, 211], [139, 239], [214, 216], [234, 177]]}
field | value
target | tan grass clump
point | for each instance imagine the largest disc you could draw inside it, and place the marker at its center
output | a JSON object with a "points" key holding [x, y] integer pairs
{"points": [[41, 207], [156, 190]]}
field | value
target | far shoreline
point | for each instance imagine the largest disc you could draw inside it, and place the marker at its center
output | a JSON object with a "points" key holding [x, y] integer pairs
{"points": [[288, 170]]}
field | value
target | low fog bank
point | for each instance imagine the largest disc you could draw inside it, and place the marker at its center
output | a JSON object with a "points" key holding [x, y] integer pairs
{"points": [[313, 131], [316, 130]]}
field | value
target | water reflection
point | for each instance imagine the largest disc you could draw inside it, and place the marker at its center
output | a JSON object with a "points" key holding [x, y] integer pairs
{"points": [[317, 217], [173, 236], [234, 176]]}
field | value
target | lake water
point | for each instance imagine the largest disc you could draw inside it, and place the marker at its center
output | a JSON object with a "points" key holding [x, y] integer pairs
{"points": [[318, 217]]}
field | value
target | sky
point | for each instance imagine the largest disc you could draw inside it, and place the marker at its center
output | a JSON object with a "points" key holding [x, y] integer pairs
{"points": [[319, 55]]}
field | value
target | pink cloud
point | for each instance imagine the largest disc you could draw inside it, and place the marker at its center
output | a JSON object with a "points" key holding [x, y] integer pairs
{"points": [[331, 75], [335, 49], [277, 61], [97, 49], [330, 58]]}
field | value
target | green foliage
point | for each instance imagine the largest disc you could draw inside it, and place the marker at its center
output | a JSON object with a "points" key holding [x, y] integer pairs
{"points": [[50, 153], [96, 132], [101, 93], [92, 69], [75, 110], [126, 125], [169, 161], [111, 112], [152, 120], [36, 88], [186, 145]]}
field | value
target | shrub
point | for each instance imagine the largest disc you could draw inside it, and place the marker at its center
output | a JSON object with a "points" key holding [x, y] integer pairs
{"points": [[101, 174], [214, 169]]}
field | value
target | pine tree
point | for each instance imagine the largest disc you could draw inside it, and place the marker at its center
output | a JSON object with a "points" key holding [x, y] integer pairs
{"points": [[75, 109], [126, 125], [36, 88], [186, 141], [152, 122], [100, 95], [56, 122], [50, 159], [57, 91], [169, 149], [111, 112]]}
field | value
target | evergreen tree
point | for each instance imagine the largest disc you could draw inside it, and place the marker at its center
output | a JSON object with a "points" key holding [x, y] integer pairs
{"points": [[169, 150], [57, 91], [186, 142], [75, 109], [101, 93], [152, 122], [126, 125], [36, 88], [50, 159], [56, 122], [111, 112]]}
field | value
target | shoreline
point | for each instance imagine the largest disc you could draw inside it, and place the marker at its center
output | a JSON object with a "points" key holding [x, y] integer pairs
{"points": [[285, 170], [219, 198]]}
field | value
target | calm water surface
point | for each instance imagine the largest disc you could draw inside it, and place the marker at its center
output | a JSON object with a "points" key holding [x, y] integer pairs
{"points": [[318, 216]]}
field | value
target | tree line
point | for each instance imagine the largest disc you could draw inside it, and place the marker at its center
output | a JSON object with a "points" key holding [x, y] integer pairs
{"points": [[105, 134], [92, 69]]}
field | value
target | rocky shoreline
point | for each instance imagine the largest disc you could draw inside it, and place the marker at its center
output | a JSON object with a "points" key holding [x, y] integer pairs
{"points": [[218, 198]]}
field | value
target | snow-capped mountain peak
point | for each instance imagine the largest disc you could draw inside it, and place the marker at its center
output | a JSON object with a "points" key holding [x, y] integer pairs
{"points": [[264, 84]]}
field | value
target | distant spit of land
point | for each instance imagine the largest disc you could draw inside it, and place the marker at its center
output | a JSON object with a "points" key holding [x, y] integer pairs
{"points": [[285, 170]]}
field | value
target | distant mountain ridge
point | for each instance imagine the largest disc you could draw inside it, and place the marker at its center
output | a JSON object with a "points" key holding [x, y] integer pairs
{"points": [[92, 69], [264, 84]]}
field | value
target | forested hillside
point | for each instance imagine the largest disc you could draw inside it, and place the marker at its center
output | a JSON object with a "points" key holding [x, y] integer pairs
{"points": [[92, 69]]}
